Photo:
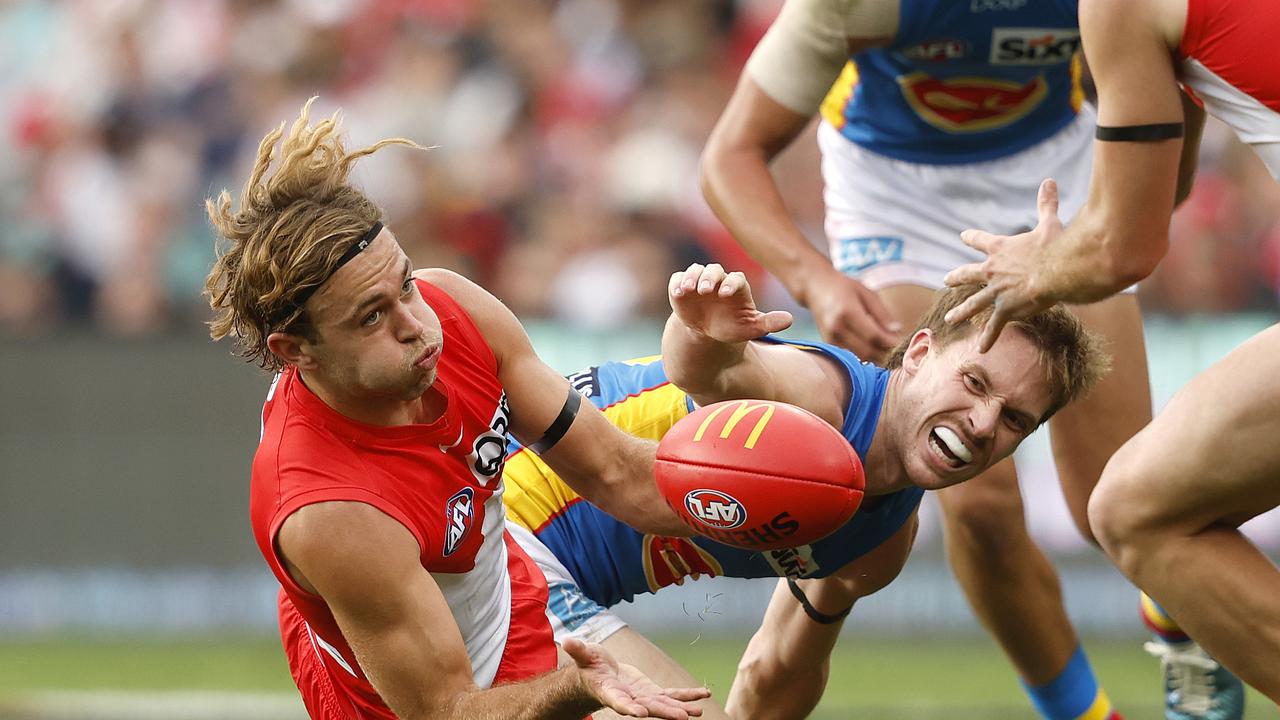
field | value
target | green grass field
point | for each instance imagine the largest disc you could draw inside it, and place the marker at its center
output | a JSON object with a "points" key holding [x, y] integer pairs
{"points": [[885, 679]]}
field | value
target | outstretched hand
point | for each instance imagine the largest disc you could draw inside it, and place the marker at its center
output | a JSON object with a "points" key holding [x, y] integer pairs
{"points": [[719, 305], [627, 691], [1011, 271]]}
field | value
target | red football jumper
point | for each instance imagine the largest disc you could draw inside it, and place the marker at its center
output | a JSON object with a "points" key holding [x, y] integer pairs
{"points": [[442, 481], [1227, 60]]}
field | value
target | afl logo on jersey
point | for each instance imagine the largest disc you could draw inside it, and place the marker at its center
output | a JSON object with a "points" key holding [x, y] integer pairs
{"points": [[715, 509], [459, 514]]}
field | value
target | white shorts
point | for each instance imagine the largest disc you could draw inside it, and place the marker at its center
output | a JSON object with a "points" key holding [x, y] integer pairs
{"points": [[891, 222], [571, 613]]}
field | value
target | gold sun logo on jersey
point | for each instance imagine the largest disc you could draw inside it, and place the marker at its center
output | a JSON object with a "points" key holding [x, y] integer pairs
{"points": [[970, 104]]}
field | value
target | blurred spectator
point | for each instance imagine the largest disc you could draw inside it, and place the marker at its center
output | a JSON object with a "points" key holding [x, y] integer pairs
{"points": [[1221, 238], [566, 135]]}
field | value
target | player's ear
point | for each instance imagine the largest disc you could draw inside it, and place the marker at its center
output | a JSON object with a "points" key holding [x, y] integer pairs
{"points": [[917, 350], [292, 349]]}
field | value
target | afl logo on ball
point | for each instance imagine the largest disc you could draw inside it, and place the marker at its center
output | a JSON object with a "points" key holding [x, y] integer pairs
{"points": [[715, 509]]}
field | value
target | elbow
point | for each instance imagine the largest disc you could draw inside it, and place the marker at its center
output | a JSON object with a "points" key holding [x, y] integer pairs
{"points": [[1125, 253], [710, 169], [1138, 261]]}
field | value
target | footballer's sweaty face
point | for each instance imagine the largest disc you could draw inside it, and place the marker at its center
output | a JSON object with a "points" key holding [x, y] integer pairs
{"points": [[966, 410], [378, 340]]}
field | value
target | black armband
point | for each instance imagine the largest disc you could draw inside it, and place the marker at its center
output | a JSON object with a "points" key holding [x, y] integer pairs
{"points": [[813, 613], [1139, 133], [560, 425]]}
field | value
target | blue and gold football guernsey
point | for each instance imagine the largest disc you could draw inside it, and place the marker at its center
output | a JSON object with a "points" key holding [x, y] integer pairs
{"points": [[963, 81], [612, 562]]}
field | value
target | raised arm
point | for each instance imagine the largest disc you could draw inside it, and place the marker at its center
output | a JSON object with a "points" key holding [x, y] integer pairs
{"points": [[610, 468], [779, 92], [366, 567], [708, 353], [1121, 233]]}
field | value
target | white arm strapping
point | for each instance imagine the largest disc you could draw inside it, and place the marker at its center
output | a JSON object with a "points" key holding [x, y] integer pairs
{"points": [[802, 53]]}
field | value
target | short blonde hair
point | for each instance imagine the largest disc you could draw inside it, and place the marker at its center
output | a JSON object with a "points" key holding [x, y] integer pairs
{"points": [[288, 235], [1073, 357]]}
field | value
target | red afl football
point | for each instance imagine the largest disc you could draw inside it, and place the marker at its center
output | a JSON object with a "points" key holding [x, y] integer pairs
{"points": [[758, 474]]}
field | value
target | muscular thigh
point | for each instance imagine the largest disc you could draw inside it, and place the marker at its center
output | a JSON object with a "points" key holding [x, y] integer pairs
{"points": [[1087, 433], [1212, 456]]}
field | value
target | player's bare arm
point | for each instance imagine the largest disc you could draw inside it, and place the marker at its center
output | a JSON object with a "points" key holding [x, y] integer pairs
{"points": [[1193, 130], [367, 568], [785, 668], [612, 469], [707, 351], [1122, 231], [780, 91]]}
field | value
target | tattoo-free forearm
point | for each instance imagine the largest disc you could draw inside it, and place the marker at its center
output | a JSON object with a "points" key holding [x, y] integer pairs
{"points": [[557, 694], [696, 363]]}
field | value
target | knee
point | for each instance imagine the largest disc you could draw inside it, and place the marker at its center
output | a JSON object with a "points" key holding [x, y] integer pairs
{"points": [[1118, 513]]}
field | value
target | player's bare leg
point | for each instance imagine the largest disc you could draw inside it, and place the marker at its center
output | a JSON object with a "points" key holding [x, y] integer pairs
{"points": [[1086, 433], [1169, 503], [629, 646], [1009, 583]]}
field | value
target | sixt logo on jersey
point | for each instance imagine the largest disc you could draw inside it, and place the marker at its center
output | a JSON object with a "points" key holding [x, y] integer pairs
{"points": [[459, 512], [715, 509], [936, 51], [1033, 46], [794, 562]]}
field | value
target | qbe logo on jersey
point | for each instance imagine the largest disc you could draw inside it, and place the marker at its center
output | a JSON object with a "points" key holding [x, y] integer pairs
{"points": [[1033, 46], [459, 514], [715, 509]]}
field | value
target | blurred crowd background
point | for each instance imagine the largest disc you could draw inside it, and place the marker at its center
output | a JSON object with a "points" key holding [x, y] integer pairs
{"points": [[563, 175]]}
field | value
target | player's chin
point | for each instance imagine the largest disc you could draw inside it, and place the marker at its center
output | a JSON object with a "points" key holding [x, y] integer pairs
{"points": [[936, 477], [417, 383]]}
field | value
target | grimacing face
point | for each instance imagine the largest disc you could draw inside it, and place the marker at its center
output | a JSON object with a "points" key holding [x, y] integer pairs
{"points": [[379, 341], [963, 411]]}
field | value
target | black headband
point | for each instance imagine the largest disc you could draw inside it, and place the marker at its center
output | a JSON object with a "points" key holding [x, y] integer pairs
{"points": [[305, 293]]}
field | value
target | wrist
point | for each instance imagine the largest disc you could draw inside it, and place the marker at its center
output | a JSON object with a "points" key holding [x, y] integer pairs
{"points": [[580, 694], [804, 275]]}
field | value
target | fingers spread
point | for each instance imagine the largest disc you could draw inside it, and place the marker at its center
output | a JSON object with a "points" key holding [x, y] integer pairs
{"points": [[1047, 201], [966, 274], [978, 240], [992, 329], [972, 306]]}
